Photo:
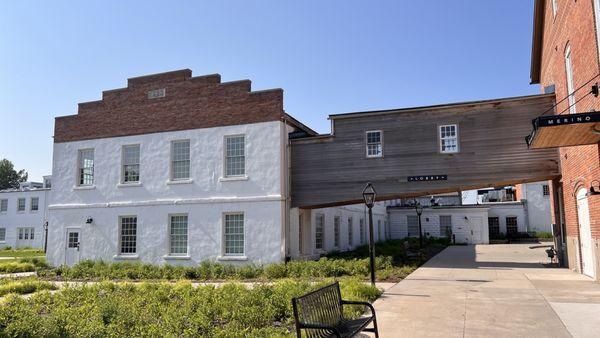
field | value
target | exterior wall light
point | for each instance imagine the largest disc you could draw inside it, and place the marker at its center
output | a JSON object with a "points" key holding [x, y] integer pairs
{"points": [[89, 220]]}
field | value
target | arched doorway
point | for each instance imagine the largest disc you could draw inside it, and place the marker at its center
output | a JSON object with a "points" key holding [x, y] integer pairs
{"points": [[585, 234]]}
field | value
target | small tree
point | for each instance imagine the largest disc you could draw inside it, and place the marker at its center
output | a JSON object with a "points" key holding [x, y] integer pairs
{"points": [[9, 177]]}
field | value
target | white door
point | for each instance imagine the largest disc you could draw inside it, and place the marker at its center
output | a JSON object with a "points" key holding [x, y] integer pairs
{"points": [[476, 230], [72, 253], [585, 233]]}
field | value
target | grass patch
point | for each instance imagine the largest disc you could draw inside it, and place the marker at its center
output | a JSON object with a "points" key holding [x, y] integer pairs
{"points": [[23, 265], [395, 260], [164, 310], [21, 253], [23, 286]]}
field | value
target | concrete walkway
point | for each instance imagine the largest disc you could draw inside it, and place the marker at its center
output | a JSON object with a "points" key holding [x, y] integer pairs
{"points": [[490, 291]]}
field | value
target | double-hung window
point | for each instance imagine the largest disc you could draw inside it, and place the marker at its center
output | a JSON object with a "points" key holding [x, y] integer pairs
{"points": [[570, 86], [235, 156], [85, 168], [234, 234], [21, 204], [320, 232], [412, 222], [180, 160], [128, 235], [336, 231], [374, 141], [2, 234], [494, 227], [34, 204], [130, 171], [546, 190], [4, 205], [449, 139], [512, 226], [178, 235], [350, 232]]}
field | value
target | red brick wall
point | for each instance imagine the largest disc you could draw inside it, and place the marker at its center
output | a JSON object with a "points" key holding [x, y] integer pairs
{"points": [[574, 25], [190, 103]]}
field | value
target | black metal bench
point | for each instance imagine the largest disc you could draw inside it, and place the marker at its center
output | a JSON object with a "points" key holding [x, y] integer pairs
{"points": [[320, 314]]}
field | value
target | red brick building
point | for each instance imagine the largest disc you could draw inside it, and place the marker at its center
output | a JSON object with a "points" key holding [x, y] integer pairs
{"points": [[565, 59]]}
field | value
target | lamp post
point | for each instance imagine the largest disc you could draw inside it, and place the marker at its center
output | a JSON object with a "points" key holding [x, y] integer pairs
{"points": [[419, 210], [369, 195], [45, 236]]}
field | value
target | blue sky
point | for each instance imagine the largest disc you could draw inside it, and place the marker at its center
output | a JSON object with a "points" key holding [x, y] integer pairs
{"points": [[329, 56]]}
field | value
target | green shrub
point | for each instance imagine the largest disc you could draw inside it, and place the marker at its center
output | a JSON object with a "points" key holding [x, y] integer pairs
{"points": [[164, 310], [543, 234], [14, 267], [23, 286]]}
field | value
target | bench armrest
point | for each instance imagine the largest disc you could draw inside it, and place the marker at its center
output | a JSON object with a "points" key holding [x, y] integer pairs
{"points": [[320, 327], [352, 302]]}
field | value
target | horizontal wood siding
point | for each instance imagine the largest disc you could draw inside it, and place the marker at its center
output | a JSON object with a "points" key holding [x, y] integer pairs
{"points": [[333, 170]]}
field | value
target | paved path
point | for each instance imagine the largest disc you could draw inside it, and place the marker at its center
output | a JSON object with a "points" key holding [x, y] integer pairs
{"points": [[490, 291]]}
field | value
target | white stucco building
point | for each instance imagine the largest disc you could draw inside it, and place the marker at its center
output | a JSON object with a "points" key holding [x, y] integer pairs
{"points": [[23, 213], [179, 169]]}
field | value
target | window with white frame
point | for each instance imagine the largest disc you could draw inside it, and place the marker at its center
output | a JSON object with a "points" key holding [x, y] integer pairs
{"points": [[2, 234], [445, 225], [449, 138], [178, 235], [361, 226], [336, 231], [73, 239], [4, 205], [235, 156], [26, 233], [234, 234], [546, 190], [128, 235], [512, 226], [412, 222], [180, 160], [374, 141], [350, 232], [34, 204], [320, 232], [130, 171], [85, 167], [570, 86], [21, 204]]}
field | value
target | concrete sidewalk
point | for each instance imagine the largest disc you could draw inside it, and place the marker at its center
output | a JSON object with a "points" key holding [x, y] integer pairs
{"points": [[490, 290]]}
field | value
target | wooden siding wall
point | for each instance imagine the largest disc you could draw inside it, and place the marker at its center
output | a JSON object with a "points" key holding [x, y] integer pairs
{"points": [[333, 170]]}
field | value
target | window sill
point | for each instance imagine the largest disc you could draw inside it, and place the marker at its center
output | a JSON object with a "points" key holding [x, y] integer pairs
{"points": [[126, 257], [232, 258], [84, 187], [171, 257], [129, 185], [175, 182], [374, 156], [233, 178]]}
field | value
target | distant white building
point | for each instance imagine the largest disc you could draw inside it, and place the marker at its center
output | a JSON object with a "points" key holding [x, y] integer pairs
{"points": [[23, 213]]}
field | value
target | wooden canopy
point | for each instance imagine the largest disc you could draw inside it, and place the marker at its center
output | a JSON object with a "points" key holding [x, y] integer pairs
{"points": [[564, 130]]}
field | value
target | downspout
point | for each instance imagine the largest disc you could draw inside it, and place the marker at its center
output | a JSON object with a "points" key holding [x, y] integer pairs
{"points": [[286, 144]]}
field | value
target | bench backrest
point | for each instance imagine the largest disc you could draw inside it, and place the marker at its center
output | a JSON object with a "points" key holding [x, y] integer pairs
{"points": [[322, 306]]}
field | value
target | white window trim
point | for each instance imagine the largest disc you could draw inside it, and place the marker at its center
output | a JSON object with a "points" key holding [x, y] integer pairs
{"points": [[120, 255], [4, 211], [172, 180], [367, 143], [322, 249], [339, 232], [226, 256], [554, 8], [170, 255], [25, 206], [439, 136], [78, 173], [31, 205], [137, 183], [571, 100], [225, 177], [3, 240]]}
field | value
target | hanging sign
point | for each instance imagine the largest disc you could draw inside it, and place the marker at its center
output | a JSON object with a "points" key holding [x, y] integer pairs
{"points": [[425, 178]]}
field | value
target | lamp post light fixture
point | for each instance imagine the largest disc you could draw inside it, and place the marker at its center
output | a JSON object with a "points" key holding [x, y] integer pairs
{"points": [[419, 211], [369, 194]]}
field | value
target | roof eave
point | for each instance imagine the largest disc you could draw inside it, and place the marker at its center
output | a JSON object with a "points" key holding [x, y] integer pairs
{"points": [[537, 41]]}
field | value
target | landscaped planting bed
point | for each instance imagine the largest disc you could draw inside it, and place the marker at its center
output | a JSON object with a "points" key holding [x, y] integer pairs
{"points": [[21, 253], [165, 310], [393, 263], [23, 286]]}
